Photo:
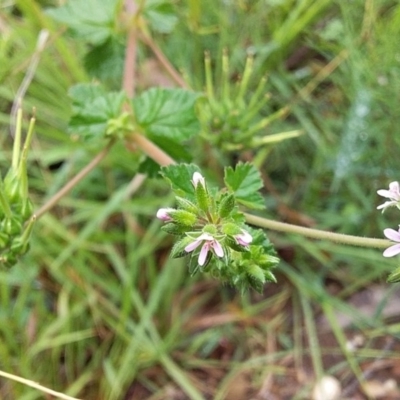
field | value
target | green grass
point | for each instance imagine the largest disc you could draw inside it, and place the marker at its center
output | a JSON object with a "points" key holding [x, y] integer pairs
{"points": [[98, 310]]}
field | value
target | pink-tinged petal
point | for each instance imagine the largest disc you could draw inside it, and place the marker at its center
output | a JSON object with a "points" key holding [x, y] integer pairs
{"points": [[203, 253], [244, 239], [392, 251], [198, 178], [219, 251], [191, 246], [394, 187], [384, 193], [162, 214], [392, 234]]}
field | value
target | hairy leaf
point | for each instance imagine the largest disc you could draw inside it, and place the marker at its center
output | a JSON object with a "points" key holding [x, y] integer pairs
{"points": [[92, 108], [245, 181], [167, 113], [160, 14], [91, 20]]}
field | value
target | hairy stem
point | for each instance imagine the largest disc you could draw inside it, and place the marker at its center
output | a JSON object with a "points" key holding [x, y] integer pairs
{"points": [[129, 83], [317, 234]]}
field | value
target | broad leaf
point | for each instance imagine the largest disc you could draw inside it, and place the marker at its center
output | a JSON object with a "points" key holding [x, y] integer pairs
{"points": [[245, 181], [91, 20], [180, 178], [160, 14], [92, 109], [105, 62], [167, 113]]}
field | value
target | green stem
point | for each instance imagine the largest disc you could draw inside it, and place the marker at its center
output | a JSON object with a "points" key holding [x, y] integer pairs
{"points": [[317, 234]]}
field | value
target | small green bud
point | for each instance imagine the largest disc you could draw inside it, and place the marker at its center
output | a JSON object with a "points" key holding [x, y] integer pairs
{"points": [[186, 204], [4, 240], [183, 217], [174, 229], [231, 229], [11, 226], [202, 197], [211, 229], [226, 205]]}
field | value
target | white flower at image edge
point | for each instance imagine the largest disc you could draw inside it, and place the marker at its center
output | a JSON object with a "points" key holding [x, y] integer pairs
{"points": [[393, 194], [210, 243], [395, 236]]}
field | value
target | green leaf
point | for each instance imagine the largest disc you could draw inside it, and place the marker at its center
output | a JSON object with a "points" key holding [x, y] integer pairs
{"points": [[106, 61], [245, 181], [178, 250], [92, 108], [167, 113], [180, 178], [160, 14], [394, 276], [91, 20]]}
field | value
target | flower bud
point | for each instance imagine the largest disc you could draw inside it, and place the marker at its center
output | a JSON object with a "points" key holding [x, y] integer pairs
{"points": [[198, 178], [163, 214]]}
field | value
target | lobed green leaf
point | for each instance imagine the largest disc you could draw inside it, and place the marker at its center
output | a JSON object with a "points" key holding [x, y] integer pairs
{"points": [[167, 113], [245, 181], [91, 20]]}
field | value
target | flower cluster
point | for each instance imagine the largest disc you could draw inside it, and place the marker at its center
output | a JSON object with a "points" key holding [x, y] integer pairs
{"points": [[215, 229], [393, 194], [211, 231]]}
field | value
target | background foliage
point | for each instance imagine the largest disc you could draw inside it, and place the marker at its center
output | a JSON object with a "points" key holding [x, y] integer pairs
{"points": [[97, 309]]}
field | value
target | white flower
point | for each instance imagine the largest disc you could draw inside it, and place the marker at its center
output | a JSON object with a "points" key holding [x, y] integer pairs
{"points": [[395, 236], [210, 243], [198, 178], [393, 194], [244, 238], [162, 214]]}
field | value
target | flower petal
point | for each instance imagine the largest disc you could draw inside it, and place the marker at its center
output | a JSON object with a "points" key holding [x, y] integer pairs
{"points": [[392, 251], [191, 246], [394, 187], [219, 251], [385, 193], [392, 234], [198, 178], [162, 214], [244, 238], [203, 253]]}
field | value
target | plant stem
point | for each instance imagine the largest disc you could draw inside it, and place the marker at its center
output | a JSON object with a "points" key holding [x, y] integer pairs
{"points": [[163, 60], [74, 181], [129, 83], [37, 386], [152, 150], [317, 234]]}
